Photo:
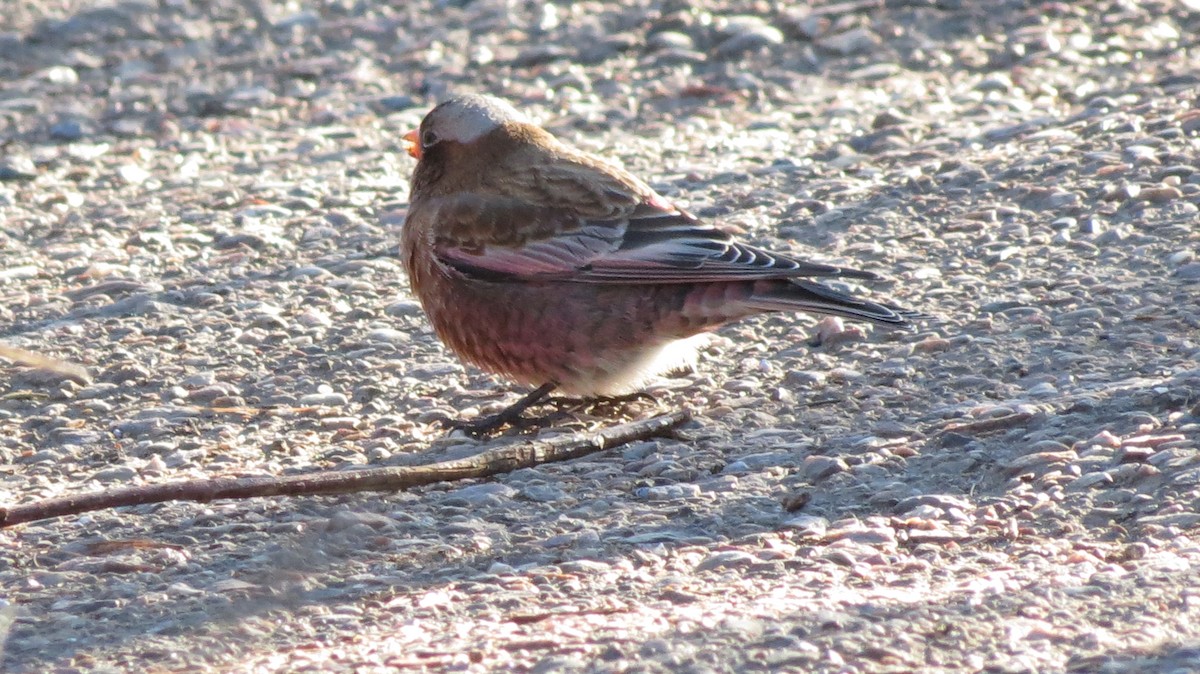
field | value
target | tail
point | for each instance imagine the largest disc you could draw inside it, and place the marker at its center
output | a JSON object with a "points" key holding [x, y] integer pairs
{"points": [[818, 298]]}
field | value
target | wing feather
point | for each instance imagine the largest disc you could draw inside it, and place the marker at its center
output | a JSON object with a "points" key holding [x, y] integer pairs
{"points": [[652, 243]]}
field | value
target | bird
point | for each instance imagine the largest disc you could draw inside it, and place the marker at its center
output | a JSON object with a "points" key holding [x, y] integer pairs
{"points": [[561, 271]]}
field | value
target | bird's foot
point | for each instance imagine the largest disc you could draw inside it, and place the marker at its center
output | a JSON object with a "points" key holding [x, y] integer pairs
{"points": [[602, 403], [509, 416], [514, 414]]}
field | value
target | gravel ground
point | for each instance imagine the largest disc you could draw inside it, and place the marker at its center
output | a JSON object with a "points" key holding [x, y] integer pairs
{"points": [[200, 202]]}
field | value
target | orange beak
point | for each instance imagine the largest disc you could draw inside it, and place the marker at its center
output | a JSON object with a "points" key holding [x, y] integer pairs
{"points": [[411, 145]]}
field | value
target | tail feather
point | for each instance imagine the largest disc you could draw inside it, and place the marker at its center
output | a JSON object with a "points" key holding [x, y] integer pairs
{"points": [[802, 295]]}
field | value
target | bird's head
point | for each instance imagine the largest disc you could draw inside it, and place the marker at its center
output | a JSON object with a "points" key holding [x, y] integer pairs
{"points": [[462, 121]]}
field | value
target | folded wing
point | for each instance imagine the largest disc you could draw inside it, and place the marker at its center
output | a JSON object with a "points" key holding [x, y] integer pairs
{"points": [[502, 239]]}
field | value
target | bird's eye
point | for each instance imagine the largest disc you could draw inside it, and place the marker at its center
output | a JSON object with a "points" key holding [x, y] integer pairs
{"points": [[428, 138]]}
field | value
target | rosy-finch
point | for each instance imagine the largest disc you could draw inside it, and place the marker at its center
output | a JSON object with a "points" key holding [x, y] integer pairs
{"points": [[556, 269]]}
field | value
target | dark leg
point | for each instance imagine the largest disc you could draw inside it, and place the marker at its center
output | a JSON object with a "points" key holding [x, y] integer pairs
{"points": [[603, 401], [504, 417]]}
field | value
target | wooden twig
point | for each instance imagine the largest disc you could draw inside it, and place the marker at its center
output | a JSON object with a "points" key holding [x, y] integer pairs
{"points": [[63, 368], [484, 464], [990, 424]]}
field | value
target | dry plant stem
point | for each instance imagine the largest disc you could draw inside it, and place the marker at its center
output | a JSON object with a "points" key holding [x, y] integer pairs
{"points": [[67, 369], [485, 464]]}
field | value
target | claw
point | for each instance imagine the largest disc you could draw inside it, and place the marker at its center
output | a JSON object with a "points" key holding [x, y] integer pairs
{"points": [[513, 414], [509, 416]]}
